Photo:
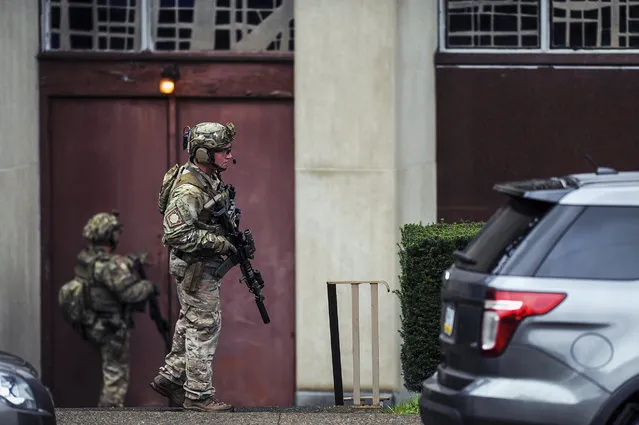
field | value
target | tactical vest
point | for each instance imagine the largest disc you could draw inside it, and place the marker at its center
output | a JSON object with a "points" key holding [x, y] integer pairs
{"points": [[217, 194], [175, 178], [74, 297], [85, 264], [101, 298], [193, 179]]}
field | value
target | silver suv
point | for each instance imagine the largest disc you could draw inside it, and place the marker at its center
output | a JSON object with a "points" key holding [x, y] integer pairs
{"points": [[540, 312]]}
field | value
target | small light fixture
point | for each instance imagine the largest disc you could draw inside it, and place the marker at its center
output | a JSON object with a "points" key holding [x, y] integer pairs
{"points": [[169, 76]]}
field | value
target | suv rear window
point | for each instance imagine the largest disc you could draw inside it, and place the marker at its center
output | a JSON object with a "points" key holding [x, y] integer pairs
{"points": [[603, 243], [503, 233]]}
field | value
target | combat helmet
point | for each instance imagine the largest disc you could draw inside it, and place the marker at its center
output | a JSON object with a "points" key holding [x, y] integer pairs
{"points": [[103, 228], [205, 138]]}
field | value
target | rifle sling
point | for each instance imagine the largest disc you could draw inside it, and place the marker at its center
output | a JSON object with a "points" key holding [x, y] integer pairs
{"points": [[226, 266], [190, 258]]}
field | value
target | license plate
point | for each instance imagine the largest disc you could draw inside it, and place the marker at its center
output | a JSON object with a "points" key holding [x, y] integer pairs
{"points": [[449, 320]]}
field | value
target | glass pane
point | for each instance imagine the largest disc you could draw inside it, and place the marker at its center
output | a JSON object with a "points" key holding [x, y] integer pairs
{"points": [[94, 25], [594, 24], [492, 24], [225, 25], [503, 233], [603, 243]]}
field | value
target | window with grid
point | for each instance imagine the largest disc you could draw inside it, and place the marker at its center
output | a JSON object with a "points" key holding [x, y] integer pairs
{"points": [[540, 24], [169, 25], [93, 25]]}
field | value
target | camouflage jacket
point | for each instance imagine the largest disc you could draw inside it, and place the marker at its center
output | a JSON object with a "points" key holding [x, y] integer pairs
{"points": [[114, 282], [183, 232]]}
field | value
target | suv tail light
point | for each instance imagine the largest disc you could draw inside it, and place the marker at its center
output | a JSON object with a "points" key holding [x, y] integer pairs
{"points": [[504, 310]]}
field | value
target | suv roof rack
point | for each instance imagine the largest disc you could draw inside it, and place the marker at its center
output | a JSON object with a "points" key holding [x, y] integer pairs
{"points": [[554, 188], [606, 176], [549, 190]]}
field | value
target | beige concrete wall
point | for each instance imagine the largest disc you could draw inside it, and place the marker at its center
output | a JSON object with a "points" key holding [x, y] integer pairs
{"points": [[365, 165], [19, 180], [345, 180]]}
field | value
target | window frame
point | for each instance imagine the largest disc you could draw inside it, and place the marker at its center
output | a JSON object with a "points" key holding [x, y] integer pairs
{"points": [[544, 39], [146, 43], [147, 27]]}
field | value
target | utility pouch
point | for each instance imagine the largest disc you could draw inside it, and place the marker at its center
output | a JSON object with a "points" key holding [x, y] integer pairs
{"points": [[192, 276]]}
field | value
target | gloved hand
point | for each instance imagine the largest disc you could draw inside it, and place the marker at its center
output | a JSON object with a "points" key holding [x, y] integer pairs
{"points": [[220, 244], [226, 247]]}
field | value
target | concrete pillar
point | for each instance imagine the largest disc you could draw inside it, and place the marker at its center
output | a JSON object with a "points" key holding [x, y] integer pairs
{"points": [[345, 174], [365, 165], [19, 180]]}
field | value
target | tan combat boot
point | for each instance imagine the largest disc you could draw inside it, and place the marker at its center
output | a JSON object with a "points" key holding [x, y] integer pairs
{"points": [[209, 404], [169, 389]]}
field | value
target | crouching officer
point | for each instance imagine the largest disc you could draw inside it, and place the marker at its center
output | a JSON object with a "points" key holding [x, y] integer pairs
{"points": [[114, 289]]}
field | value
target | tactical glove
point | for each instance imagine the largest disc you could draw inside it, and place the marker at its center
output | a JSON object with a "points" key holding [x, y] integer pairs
{"points": [[227, 247], [221, 244]]}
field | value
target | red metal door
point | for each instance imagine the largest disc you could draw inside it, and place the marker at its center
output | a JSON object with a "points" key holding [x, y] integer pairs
{"points": [[255, 363], [106, 142], [105, 154]]}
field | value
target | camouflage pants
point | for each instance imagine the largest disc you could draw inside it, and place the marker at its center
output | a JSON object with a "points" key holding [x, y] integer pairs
{"points": [[197, 331], [114, 350]]}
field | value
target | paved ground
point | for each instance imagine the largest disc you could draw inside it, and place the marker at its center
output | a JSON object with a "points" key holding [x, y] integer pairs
{"points": [[261, 416]]}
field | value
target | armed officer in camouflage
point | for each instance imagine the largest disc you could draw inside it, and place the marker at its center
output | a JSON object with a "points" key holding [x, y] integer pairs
{"points": [[197, 247], [113, 287]]}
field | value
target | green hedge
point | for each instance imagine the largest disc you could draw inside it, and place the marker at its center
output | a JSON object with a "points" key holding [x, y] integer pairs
{"points": [[425, 252]]}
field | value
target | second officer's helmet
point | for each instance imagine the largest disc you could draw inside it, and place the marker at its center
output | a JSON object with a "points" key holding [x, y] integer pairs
{"points": [[103, 228]]}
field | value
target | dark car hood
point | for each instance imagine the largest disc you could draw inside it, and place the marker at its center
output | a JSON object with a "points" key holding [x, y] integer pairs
{"points": [[13, 363]]}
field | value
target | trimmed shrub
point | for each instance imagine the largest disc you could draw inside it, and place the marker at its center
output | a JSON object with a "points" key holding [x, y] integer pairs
{"points": [[425, 252]]}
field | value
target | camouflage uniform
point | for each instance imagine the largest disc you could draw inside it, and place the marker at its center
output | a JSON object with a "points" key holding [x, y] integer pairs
{"points": [[114, 288], [195, 252]]}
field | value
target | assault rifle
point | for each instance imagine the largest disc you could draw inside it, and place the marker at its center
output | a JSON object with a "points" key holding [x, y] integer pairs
{"points": [[154, 308], [229, 217]]}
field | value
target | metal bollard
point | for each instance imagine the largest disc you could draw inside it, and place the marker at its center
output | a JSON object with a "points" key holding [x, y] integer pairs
{"points": [[335, 345]]}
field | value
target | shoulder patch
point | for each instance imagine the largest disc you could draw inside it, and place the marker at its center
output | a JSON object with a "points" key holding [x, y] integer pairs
{"points": [[174, 218]]}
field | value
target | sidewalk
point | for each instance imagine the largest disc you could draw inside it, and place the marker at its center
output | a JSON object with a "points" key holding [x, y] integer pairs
{"points": [[242, 416]]}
